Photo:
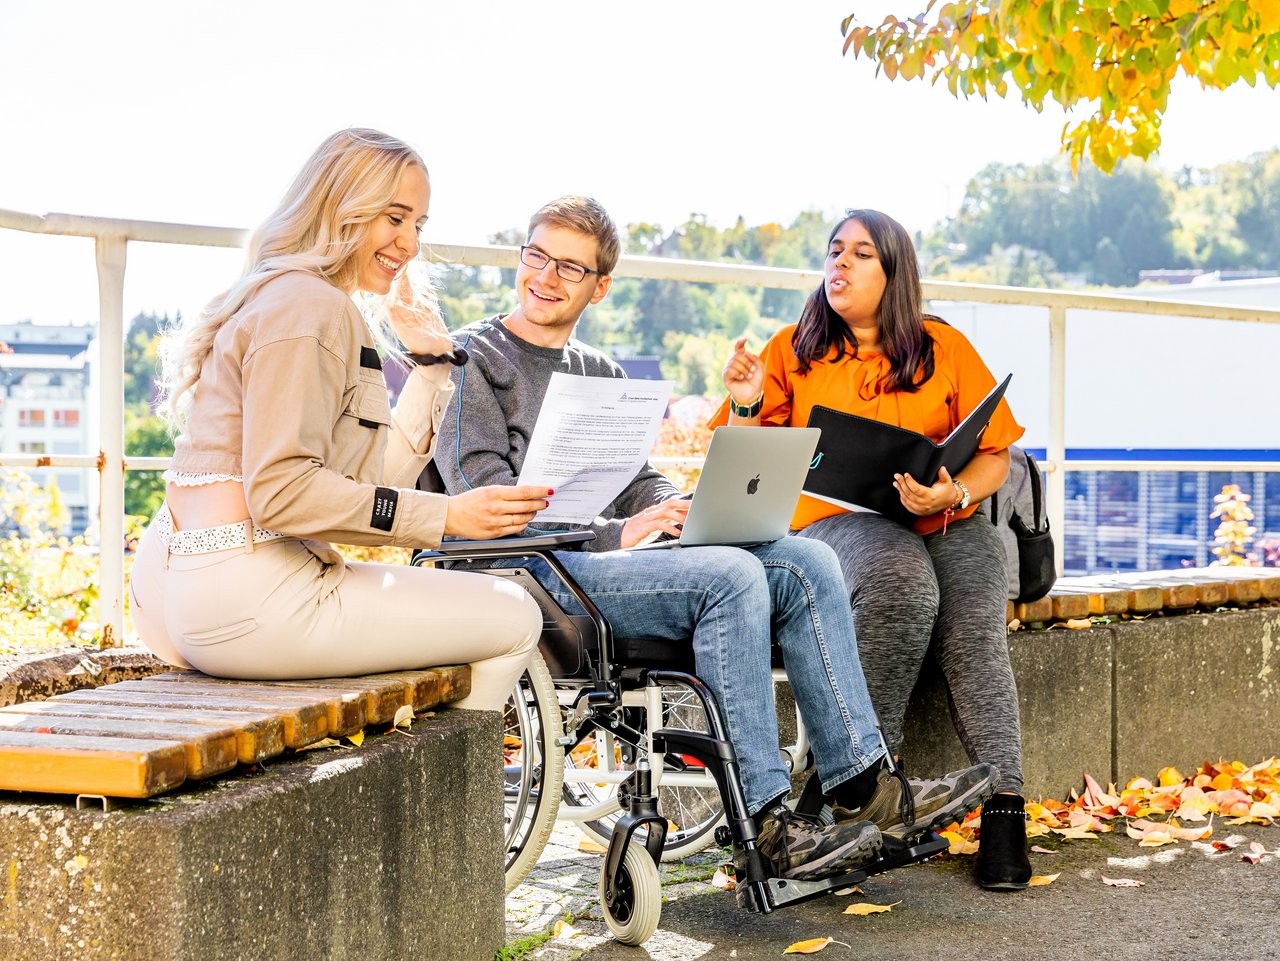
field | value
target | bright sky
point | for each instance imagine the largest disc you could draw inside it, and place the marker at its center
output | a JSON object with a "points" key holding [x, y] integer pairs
{"points": [[200, 112]]}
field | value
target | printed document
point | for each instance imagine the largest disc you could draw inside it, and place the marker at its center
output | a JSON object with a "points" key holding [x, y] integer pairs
{"points": [[593, 435]]}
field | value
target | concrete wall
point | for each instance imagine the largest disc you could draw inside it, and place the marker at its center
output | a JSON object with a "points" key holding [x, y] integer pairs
{"points": [[1126, 699], [381, 853]]}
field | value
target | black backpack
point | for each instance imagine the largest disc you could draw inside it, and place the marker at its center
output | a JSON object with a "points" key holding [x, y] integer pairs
{"points": [[1018, 511]]}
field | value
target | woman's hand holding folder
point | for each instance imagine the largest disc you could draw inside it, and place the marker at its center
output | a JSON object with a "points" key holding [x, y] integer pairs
{"points": [[924, 501]]}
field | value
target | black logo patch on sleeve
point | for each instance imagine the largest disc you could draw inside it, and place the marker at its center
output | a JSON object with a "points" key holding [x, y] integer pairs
{"points": [[369, 359], [385, 502]]}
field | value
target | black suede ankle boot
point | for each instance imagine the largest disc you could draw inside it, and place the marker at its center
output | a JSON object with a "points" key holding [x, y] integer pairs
{"points": [[1003, 864]]}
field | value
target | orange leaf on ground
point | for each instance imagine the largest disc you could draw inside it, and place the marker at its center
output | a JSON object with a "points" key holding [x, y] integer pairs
{"points": [[588, 846], [1040, 880], [1254, 854], [1169, 776], [1223, 782], [563, 929], [1233, 803], [1095, 797], [1075, 834], [865, 909], [723, 881], [811, 946], [959, 844], [845, 892], [1139, 829], [1229, 843], [1122, 882]]}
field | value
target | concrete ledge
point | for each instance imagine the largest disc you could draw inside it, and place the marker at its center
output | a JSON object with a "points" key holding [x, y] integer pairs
{"points": [[1196, 687], [1126, 699], [389, 851]]}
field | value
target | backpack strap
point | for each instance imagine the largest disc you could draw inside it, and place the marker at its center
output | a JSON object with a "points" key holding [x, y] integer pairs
{"points": [[1037, 493]]}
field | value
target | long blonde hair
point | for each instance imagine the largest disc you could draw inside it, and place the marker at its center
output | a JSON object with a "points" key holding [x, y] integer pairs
{"points": [[318, 226]]}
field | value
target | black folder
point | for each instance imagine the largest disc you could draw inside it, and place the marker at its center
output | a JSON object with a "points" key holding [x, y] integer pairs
{"points": [[857, 456]]}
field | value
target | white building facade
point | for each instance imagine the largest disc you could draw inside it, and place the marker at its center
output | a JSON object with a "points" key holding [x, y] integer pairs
{"points": [[44, 406]]}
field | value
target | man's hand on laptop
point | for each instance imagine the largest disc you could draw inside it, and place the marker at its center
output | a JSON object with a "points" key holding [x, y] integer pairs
{"points": [[499, 511], [664, 518]]}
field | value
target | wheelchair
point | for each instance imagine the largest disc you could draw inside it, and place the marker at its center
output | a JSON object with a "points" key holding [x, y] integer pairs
{"points": [[619, 736]]}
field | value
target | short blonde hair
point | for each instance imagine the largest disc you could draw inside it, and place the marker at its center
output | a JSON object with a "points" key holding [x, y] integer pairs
{"points": [[318, 226], [583, 215]]}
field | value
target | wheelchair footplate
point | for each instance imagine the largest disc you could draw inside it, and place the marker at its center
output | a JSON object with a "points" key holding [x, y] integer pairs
{"points": [[765, 894]]}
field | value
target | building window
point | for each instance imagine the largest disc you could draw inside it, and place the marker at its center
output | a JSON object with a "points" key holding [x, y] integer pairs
{"points": [[66, 418], [69, 483], [31, 446], [31, 418]]}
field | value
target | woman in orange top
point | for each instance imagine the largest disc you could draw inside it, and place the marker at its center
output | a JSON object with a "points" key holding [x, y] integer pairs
{"points": [[864, 346]]}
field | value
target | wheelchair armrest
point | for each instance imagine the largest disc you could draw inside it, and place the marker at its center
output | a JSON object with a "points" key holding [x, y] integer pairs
{"points": [[508, 546]]}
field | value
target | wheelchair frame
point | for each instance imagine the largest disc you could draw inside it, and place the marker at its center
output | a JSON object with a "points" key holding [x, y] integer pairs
{"points": [[579, 653]]}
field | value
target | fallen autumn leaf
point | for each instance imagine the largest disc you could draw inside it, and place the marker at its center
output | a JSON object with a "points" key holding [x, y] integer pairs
{"points": [[811, 946], [864, 909]]}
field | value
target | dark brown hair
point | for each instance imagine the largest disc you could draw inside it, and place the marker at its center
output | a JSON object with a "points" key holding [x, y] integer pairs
{"points": [[901, 316]]}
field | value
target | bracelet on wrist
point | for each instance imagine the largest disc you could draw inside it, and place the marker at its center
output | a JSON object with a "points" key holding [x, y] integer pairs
{"points": [[962, 496], [457, 357], [746, 410]]}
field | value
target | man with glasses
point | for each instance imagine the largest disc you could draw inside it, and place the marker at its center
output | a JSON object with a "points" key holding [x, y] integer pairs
{"points": [[731, 601]]}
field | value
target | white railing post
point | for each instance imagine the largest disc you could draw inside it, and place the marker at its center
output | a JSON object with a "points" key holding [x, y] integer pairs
{"points": [[1056, 451], [110, 254]]}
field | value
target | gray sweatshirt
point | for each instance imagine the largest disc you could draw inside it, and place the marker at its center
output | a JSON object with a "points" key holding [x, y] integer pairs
{"points": [[485, 433]]}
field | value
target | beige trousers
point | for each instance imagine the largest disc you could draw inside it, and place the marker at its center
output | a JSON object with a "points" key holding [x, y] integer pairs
{"points": [[295, 609]]}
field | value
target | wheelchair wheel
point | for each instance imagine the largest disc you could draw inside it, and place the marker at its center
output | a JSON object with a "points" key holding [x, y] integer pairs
{"points": [[634, 914], [533, 769], [693, 812]]}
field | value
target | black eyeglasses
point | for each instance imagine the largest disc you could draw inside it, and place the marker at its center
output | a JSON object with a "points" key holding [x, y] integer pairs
{"points": [[567, 269]]}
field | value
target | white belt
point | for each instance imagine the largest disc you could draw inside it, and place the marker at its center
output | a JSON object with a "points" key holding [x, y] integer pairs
{"points": [[205, 540]]}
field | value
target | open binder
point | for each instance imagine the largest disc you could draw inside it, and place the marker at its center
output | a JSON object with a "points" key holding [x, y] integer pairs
{"points": [[857, 456]]}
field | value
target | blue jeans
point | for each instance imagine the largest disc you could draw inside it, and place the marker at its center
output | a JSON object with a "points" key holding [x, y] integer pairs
{"points": [[730, 601]]}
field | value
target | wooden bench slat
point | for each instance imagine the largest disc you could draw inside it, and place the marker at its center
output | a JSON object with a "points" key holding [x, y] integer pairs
{"points": [[208, 752], [455, 682], [382, 697], [118, 767], [1069, 607], [259, 736], [344, 713], [424, 687], [1100, 603], [303, 724]]}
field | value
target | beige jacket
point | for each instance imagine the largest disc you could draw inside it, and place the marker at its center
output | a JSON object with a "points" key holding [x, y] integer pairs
{"points": [[292, 399]]}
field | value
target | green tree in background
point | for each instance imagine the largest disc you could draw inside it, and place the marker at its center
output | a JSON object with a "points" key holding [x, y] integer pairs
{"points": [[145, 433]]}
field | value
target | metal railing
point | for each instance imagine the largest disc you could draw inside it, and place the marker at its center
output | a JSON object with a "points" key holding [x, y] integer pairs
{"points": [[111, 239]]}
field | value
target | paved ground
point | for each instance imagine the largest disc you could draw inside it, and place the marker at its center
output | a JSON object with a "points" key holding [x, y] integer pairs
{"points": [[1196, 903]]}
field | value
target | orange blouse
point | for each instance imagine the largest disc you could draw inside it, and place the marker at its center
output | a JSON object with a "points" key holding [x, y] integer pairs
{"points": [[959, 383]]}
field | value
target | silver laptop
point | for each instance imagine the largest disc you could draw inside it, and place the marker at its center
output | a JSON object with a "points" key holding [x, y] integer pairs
{"points": [[749, 486]]}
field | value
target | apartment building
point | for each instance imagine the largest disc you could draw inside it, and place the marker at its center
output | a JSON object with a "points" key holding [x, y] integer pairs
{"points": [[44, 405]]}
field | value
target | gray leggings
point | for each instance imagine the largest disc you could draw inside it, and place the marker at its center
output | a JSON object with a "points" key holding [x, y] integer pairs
{"points": [[942, 595]]}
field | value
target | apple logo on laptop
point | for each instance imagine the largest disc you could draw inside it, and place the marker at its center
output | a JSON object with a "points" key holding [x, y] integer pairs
{"points": [[753, 485]]}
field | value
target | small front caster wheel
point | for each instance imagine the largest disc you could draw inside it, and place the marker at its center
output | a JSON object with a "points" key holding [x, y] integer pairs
{"points": [[637, 902]]}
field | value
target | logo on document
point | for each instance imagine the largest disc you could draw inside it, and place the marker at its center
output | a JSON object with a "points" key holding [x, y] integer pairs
{"points": [[753, 485]]}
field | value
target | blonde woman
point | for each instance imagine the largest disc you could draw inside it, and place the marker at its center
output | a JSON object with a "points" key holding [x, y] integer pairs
{"points": [[287, 442]]}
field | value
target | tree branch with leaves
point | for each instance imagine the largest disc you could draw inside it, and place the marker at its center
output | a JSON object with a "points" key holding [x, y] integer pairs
{"points": [[1117, 56]]}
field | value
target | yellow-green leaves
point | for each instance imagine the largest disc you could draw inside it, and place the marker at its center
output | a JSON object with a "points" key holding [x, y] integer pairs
{"points": [[1119, 56]]}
